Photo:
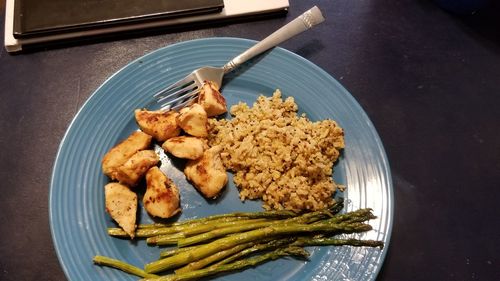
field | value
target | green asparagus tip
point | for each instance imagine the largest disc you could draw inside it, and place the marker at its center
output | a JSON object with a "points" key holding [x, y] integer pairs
{"points": [[296, 252]]}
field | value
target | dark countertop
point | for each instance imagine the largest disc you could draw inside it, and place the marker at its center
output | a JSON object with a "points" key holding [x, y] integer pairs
{"points": [[429, 81]]}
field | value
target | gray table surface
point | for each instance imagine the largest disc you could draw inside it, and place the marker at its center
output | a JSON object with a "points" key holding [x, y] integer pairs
{"points": [[429, 81]]}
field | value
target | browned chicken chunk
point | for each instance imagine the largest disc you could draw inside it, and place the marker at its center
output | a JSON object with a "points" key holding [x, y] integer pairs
{"points": [[136, 167], [207, 173], [162, 125], [162, 198], [121, 204], [185, 147], [194, 120], [211, 99], [119, 154]]}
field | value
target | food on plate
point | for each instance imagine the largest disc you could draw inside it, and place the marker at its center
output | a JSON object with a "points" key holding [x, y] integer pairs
{"points": [[207, 173], [121, 204], [310, 223], [161, 125], [275, 154], [136, 167], [194, 120], [285, 159], [185, 147], [162, 198], [242, 244], [130, 160], [119, 154], [211, 99]]}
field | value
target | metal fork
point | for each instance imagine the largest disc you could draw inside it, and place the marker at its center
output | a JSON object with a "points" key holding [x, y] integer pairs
{"points": [[184, 91]]}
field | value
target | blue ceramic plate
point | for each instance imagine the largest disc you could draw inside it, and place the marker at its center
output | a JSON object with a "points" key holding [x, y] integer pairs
{"points": [[77, 217]]}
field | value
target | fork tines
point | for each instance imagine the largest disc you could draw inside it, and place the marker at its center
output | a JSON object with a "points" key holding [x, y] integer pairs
{"points": [[178, 95]]}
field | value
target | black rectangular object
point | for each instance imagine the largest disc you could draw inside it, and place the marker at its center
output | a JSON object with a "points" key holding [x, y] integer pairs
{"points": [[48, 17]]}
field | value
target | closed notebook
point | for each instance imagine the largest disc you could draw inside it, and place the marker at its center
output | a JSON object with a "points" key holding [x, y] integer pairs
{"points": [[47, 17], [232, 10]]}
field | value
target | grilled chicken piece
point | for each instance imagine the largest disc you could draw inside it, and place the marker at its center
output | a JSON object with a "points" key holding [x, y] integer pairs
{"points": [[162, 197], [211, 99], [121, 204], [207, 173], [185, 147], [159, 124], [194, 120], [136, 167], [119, 154]]}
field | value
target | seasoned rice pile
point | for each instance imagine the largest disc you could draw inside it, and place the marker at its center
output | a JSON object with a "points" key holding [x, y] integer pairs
{"points": [[278, 156]]}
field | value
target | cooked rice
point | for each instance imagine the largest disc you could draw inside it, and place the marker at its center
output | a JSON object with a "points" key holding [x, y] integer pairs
{"points": [[278, 156]]}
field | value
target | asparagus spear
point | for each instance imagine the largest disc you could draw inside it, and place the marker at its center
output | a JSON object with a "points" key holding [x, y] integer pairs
{"points": [[275, 214], [273, 244], [150, 230], [249, 236], [183, 242], [171, 239], [213, 258], [294, 251], [216, 233], [174, 251], [210, 226], [157, 225], [167, 239], [123, 266], [354, 216], [312, 241], [142, 232]]}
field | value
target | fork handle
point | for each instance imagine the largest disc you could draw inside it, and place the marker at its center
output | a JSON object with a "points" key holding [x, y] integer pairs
{"points": [[302, 23]]}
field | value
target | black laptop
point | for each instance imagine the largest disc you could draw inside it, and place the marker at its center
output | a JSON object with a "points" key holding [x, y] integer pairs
{"points": [[34, 18]]}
